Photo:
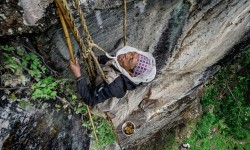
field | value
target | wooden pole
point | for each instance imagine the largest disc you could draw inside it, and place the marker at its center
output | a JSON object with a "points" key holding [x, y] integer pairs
{"points": [[73, 60], [66, 33]]}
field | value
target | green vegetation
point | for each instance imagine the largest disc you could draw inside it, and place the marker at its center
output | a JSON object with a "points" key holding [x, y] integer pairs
{"points": [[22, 70], [225, 124], [103, 131], [18, 63], [104, 135], [226, 105]]}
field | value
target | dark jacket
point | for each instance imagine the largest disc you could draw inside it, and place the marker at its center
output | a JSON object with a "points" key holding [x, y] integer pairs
{"points": [[104, 91]]}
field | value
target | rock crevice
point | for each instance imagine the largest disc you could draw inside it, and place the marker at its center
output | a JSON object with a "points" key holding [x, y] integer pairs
{"points": [[190, 40]]}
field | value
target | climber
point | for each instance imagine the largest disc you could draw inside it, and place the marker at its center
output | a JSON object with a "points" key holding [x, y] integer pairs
{"points": [[126, 71]]}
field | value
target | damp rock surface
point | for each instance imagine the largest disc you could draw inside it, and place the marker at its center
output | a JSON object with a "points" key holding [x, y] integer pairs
{"points": [[40, 129]]}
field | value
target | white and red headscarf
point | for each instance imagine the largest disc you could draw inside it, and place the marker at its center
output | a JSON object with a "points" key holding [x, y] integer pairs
{"points": [[141, 66], [145, 69]]}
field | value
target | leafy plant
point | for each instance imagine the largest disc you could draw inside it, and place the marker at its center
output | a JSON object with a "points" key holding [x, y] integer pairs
{"points": [[44, 88], [231, 106], [28, 67], [35, 68], [6, 48], [104, 132]]}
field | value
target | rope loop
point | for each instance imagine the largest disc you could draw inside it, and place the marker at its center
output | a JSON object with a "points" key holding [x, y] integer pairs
{"points": [[87, 54]]}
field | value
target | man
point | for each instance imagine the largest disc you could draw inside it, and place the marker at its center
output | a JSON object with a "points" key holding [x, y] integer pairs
{"points": [[126, 71]]}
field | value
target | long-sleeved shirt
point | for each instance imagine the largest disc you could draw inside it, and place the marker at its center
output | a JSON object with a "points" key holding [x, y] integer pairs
{"points": [[116, 87]]}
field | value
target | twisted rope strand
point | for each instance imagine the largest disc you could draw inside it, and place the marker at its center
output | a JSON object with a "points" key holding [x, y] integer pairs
{"points": [[70, 21], [124, 21], [86, 57], [83, 22], [71, 51]]}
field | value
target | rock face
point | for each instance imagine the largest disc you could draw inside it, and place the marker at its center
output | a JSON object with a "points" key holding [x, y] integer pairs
{"points": [[25, 16], [39, 128], [190, 39]]}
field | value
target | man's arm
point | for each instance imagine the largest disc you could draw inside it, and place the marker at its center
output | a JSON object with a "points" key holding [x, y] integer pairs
{"points": [[76, 70], [100, 93]]}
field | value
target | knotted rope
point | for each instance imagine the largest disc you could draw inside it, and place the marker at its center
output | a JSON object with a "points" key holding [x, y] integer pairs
{"points": [[66, 15], [124, 22], [72, 55]]}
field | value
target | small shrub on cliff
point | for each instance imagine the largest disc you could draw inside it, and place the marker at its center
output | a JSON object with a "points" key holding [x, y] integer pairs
{"points": [[104, 132], [18, 63], [23, 70]]}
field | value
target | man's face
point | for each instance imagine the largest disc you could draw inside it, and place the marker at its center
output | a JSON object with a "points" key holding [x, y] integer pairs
{"points": [[128, 61]]}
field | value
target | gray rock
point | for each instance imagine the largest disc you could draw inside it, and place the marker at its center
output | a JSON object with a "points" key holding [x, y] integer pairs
{"points": [[33, 10], [26, 16], [190, 39], [42, 129]]}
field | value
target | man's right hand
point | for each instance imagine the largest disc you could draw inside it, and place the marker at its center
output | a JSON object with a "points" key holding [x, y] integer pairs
{"points": [[75, 68]]}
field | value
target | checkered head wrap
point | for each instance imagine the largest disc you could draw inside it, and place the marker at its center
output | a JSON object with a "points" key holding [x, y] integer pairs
{"points": [[142, 63], [145, 69]]}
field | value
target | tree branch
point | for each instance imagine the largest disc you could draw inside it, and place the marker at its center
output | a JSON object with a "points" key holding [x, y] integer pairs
{"points": [[32, 50], [13, 88], [231, 92], [64, 101]]}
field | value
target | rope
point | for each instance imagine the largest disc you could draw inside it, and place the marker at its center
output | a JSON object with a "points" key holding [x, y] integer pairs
{"points": [[89, 39], [72, 58], [68, 17], [83, 22], [72, 25], [92, 123], [124, 22]]}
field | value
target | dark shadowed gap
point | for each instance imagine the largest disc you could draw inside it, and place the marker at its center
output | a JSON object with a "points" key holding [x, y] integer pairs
{"points": [[170, 36]]}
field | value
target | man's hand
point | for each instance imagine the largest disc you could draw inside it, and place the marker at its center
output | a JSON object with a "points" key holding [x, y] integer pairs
{"points": [[75, 68]]}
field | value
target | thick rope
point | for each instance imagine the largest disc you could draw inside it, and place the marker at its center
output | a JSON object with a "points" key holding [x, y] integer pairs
{"points": [[75, 29], [124, 22], [86, 59], [83, 22], [73, 25], [67, 17], [72, 58], [71, 22], [89, 39], [91, 44]]}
